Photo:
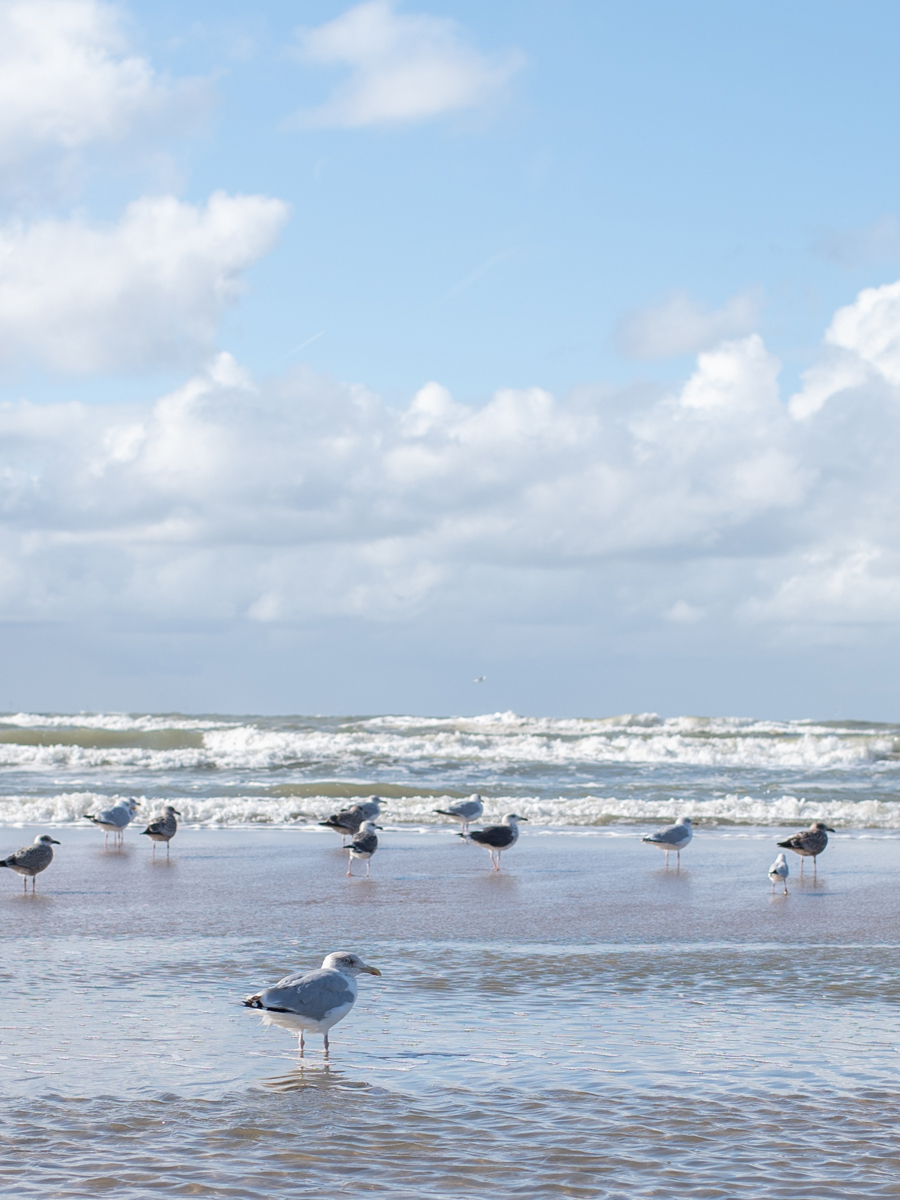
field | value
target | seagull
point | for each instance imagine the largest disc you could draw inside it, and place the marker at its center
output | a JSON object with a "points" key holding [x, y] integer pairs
{"points": [[164, 829], [808, 842], [315, 1001], [31, 860], [480, 679], [348, 821], [114, 820], [779, 870], [673, 837], [497, 838], [465, 811], [364, 845]]}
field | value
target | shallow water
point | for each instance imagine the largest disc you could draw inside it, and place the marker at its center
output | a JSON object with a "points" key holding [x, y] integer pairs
{"points": [[584, 1023]]}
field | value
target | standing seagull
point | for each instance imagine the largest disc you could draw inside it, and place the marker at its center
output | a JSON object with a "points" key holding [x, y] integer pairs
{"points": [[779, 870], [465, 811], [315, 1001], [114, 819], [808, 842], [497, 838], [348, 821], [364, 845], [673, 837], [164, 829], [31, 860]]}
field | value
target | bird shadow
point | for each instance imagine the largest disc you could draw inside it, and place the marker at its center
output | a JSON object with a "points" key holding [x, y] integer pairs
{"points": [[316, 1076]]}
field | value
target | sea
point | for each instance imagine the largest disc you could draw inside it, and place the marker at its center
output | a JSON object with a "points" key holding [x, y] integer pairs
{"points": [[591, 1020]]}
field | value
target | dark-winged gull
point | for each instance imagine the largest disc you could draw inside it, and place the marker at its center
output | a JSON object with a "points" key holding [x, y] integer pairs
{"points": [[163, 829], [364, 845], [315, 1001], [114, 819], [31, 860], [497, 838], [465, 811], [779, 870], [673, 837], [348, 820], [809, 842]]}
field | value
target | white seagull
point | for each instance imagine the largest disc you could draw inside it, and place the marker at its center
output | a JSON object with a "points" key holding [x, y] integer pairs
{"points": [[31, 860], [465, 811], [315, 1001], [673, 837], [114, 819], [779, 870]]}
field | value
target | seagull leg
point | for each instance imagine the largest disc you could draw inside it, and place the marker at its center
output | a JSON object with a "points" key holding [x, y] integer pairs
{"points": [[367, 868], [326, 1045], [814, 866], [25, 884], [785, 887], [302, 1043]]}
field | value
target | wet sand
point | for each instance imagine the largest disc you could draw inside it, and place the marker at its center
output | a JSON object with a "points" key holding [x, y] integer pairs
{"points": [[584, 1023]]}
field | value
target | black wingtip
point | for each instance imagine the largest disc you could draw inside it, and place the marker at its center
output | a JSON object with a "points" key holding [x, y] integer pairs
{"points": [[252, 1002]]}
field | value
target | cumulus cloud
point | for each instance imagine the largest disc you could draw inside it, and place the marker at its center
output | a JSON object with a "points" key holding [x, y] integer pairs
{"points": [[682, 326], [146, 291], [300, 499], [403, 67], [68, 81]]}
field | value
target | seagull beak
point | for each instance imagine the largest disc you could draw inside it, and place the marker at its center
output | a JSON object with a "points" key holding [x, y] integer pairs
{"points": [[371, 970], [177, 813], [830, 830], [55, 842]]}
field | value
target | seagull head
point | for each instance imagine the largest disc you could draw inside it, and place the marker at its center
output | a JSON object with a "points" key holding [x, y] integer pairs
{"points": [[684, 821], [369, 827], [45, 839], [510, 817], [173, 811], [348, 964], [821, 826]]}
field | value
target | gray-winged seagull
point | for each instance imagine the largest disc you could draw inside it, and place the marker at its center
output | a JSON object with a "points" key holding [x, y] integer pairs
{"points": [[31, 860], [673, 837], [114, 819], [364, 845], [465, 811], [348, 820], [315, 1001]]}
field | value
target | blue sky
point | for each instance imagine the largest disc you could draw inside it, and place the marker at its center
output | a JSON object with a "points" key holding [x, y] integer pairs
{"points": [[531, 357]]}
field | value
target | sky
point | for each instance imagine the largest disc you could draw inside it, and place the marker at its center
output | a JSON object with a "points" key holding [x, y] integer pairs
{"points": [[352, 352]]}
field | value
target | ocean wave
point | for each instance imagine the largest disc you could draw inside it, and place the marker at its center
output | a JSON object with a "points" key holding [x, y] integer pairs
{"points": [[588, 811]]}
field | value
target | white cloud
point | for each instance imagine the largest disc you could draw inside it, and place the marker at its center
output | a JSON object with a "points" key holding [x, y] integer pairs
{"points": [[68, 81], [861, 343], [147, 291], [305, 499], [404, 68], [682, 326]]}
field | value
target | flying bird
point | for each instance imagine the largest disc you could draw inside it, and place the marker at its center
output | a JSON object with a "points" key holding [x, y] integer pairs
{"points": [[348, 821], [480, 679], [31, 860], [809, 842], [673, 837], [316, 1001], [164, 829], [465, 811], [497, 838], [364, 845], [779, 870], [114, 819]]}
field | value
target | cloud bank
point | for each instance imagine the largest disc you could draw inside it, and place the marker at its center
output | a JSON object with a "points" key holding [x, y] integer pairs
{"points": [[403, 68], [302, 498], [682, 326]]}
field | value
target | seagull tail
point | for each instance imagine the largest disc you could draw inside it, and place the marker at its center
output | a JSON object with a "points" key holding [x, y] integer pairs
{"points": [[253, 1001], [443, 812], [3, 862], [785, 845]]}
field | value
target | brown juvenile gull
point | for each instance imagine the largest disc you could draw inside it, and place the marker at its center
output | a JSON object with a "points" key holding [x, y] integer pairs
{"points": [[673, 837], [315, 1001], [497, 838], [31, 860], [164, 829], [114, 819], [364, 845], [809, 842], [465, 811], [779, 870], [348, 821]]}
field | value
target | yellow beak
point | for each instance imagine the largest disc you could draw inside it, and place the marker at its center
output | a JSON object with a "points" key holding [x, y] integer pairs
{"points": [[372, 970]]}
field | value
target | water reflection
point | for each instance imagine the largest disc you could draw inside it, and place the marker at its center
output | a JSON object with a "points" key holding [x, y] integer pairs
{"points": [[318, 1076]]}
